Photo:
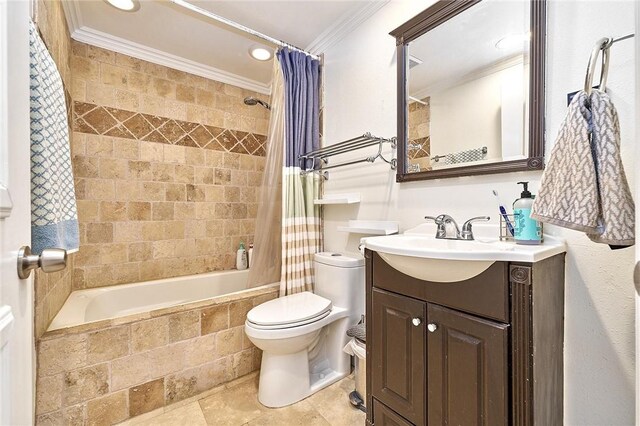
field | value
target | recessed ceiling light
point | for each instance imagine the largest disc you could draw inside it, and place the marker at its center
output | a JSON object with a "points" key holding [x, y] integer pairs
{"points": [[513, 41], [126, 5], [260, 53]]}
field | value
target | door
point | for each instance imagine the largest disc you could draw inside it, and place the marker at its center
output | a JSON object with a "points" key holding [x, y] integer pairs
{"points": [[636, 273], [467, 370], [16, 296], [398, 354]]}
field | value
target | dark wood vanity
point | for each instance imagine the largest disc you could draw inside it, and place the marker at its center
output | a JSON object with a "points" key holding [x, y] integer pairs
{"points": [[484, 351]]}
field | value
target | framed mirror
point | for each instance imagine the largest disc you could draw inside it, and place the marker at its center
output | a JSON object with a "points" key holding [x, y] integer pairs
{"points": [[471, 89]]}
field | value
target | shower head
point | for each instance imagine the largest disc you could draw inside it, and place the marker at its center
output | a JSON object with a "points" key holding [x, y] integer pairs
{"points": [[250, 100]]}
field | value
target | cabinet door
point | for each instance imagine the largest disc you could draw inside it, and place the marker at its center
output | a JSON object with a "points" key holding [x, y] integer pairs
{"points": [[386, 417], [467, 369], [398, 354]]}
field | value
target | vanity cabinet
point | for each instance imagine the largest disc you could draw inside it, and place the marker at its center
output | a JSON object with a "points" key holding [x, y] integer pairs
{"points": [[399, 355], [484, 351]]}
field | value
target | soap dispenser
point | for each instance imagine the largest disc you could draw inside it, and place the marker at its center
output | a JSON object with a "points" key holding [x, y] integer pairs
{"points": [[527, 230]]}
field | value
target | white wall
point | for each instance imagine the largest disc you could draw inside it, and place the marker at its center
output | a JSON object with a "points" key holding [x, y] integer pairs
{"points": [[599, 307], [468, 116]]}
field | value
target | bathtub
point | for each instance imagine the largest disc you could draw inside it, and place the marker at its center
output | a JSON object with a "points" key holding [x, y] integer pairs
{"points": [[106, 303], [152, 344]]}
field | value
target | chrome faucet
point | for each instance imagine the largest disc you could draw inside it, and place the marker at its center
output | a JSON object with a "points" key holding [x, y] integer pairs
{"points": [[448, 228]]}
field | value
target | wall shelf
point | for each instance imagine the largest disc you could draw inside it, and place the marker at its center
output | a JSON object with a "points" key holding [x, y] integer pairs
{"points": [[370, 227], [338, 199]]}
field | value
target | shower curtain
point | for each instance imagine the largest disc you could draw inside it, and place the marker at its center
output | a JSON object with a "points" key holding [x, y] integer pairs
{"points": [[267, 251], [288, 224], [301, 220]]}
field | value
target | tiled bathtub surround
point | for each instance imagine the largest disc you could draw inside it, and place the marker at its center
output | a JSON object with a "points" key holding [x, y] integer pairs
{"points": [[167, 166], [150, 210], [51, 290], [110, 79], [101, 374], [94, 119]]}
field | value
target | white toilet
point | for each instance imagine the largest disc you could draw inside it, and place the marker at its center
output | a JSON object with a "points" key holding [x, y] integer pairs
{"points": [[302, 335]]}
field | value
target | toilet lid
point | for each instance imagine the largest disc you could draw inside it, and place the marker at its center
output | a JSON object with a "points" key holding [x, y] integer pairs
{"points": [[287, 310]]}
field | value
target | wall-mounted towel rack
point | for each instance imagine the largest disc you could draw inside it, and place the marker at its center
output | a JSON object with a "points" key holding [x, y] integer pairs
{"points": [[603, 46], [318, 158]]}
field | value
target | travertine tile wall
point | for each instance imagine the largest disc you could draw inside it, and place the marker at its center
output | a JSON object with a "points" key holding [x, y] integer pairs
{"points": [[51, 290], [50, 20], [167, 166], [419, 128], [104, 376]]}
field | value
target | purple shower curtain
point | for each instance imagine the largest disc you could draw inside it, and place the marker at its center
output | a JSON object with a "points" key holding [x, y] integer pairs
{"points": [[302, 104], [301, 220]]}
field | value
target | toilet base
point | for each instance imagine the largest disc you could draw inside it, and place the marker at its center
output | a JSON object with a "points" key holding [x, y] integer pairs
{"points": [[285, 379]]}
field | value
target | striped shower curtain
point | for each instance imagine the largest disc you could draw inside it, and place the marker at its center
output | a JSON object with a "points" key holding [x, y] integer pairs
{"points": [[301, 219]]}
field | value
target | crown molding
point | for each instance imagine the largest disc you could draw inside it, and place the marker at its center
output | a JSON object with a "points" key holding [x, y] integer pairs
{"points": [[72, 13], [84, 34], [149, 54], [487, 70], [344, 26], [330, 37]]}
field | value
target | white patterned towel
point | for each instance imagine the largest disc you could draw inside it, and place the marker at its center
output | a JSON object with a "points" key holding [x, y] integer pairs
{"points": [[584, 186], [54, 218], [468, 156]]}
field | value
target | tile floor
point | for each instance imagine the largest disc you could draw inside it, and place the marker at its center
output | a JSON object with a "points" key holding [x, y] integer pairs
{"points": [[236, 404]]}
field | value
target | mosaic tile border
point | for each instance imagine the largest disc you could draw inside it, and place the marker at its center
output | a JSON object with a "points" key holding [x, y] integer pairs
{"points": [[99, 120]]}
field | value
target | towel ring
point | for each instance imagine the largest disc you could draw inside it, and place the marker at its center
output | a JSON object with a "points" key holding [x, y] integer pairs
{"points": [[602, 45]]}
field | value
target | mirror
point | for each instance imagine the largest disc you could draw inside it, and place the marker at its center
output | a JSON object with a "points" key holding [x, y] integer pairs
{"points": [[470, 89]]}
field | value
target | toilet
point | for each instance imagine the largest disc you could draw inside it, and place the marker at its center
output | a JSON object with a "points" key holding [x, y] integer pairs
{"points": [[302, 335]]}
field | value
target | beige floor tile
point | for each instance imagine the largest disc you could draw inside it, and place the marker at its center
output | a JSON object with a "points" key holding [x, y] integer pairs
{"points": [[235, 406], [333, 404], [187, 415], [299, 414]]}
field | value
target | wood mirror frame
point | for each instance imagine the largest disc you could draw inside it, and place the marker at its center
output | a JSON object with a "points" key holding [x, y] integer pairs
{"points": [[435, 15]]}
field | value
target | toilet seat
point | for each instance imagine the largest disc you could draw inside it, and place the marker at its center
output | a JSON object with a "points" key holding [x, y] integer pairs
{"points": [[289, 311]]}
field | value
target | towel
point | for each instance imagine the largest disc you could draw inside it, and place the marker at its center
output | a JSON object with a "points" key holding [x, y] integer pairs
{"points": [[54, 217], [616, 218], [584, 186], [468, 156]]}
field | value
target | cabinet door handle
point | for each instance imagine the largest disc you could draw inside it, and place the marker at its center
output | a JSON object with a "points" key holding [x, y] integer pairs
{"points": [[432, 327], [416, 321]]}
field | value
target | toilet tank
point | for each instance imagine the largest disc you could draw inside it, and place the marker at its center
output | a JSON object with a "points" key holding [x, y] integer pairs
{"points": [[340, 278]]}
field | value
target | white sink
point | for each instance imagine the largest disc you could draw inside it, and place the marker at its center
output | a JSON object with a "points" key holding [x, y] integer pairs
{"points": [[419, 254]]}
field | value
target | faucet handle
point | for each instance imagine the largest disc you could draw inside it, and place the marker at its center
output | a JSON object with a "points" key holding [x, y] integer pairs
{"points": [[476, 219], [467, 230], [435, 219]]}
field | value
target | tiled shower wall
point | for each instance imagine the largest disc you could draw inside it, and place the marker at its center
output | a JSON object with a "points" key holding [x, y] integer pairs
{"points": [[51, 290], [419, 128], [167, 167]]}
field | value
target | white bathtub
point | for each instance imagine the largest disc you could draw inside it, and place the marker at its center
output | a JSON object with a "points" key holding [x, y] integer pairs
{"points": [[105, 303]]}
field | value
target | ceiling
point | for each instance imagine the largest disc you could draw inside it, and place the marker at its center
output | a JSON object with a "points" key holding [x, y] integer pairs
{"points": [[165, 33], [466, 45]]}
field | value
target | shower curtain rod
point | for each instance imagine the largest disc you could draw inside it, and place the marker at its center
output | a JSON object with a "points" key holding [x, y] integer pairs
{"points": [[240, 27]]}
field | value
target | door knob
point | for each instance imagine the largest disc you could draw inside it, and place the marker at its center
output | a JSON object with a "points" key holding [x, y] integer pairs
{"points": [[416, 321], [51, 260], [432, 327]]}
